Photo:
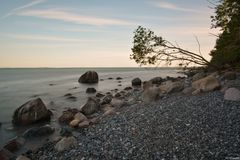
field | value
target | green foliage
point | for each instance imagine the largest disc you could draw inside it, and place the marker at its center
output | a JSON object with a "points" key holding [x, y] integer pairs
{"points": [[227, 48], [149, 48]]}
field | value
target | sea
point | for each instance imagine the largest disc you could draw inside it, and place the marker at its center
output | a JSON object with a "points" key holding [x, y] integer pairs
{"points": [[19, 85]]}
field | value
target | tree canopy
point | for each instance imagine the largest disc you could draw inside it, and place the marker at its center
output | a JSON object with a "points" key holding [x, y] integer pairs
{"points": [[149, 48]]}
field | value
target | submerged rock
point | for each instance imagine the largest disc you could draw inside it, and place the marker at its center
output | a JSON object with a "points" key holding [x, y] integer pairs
{"points": [[38, 131], [91, 90], [136, 82], [89, 77], [31, 112]]}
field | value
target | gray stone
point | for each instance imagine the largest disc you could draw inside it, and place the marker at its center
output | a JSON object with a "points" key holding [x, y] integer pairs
{"points": [[38, 131], [232, 94], [91, 106], [31, 112], [89, 77]]}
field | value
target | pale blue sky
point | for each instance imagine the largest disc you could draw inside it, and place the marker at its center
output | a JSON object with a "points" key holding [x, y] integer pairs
{"points": [[95, 33]]}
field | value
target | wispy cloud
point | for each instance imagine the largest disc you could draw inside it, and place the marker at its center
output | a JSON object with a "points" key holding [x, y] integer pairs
{"points": [[172, 6], [46, 38], [73, 17], [15, 10]]}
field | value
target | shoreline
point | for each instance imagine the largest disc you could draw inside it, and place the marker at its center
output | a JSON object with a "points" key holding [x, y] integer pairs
{"points": [[136, 121]]}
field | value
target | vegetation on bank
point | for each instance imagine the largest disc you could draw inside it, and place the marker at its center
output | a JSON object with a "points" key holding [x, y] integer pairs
{"points": [[149, 48]]}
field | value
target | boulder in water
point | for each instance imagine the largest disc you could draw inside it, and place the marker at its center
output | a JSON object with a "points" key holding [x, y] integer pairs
{"points": [[136, 82], [89, 77], [31, 112], [91, 106]]}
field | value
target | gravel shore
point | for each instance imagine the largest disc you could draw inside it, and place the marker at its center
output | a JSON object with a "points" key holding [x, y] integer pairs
{"points": [[176, 127]]}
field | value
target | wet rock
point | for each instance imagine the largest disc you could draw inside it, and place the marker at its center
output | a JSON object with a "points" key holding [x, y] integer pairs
{"points": [[106, 100], [14, 144], [119, 85], [110, 78], [91, 90], [232, 94], [67, 116], [91, 106], [83, 124], [79, 116], [72, 98], [66, 132], [99, 95], [74, 123], [0, 124], [89, 77], [156, 80], [118, 78], [68, 95], [128, 88], [117, 95], [38, 131], [206, 84], [136, 82], [32, 111], [65, 143]]}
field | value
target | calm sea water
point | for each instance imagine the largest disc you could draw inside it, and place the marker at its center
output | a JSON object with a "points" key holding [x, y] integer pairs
{"points": [[17, 86]]}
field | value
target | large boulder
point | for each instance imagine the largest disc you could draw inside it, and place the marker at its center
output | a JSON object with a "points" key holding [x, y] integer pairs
{"points": [[65, 143], [67, 116], [136, 82], [91, 106], [89, 77], [232, 94], [31, 112], [151, 94], [156, 80], [172, 87], [206, 84]]}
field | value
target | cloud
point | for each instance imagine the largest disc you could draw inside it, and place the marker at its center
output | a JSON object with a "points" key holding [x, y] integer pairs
{"points": [[14, 11], [73, 17], [171, 6], [46, 38]]}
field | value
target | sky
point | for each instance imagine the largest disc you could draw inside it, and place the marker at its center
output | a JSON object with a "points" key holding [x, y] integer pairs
{"points": [[96, 33]]}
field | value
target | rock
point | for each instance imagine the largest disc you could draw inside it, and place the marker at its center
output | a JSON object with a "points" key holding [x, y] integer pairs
{"points": [[172, 87], [65, 132], [232, 94], [106, 100], [94, 120], [136, 82], [21, 157], [65, 143], [89, 77], [68, 95], [188, 90], [0, 124], [31, 112], [128, 88], [108, 110], [230, 75], [156, 80], [67, 116], [83, 124], [117, 103], [118, 78], [119, 85], [117, 95], [91, 106], [38, 131], [14, 144], [206, 84], [110, 78], [72, 98], [198, 76], [151, 94], [91, 90], [5, 154], [79, 116], [100, 95], [74, 123]]}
